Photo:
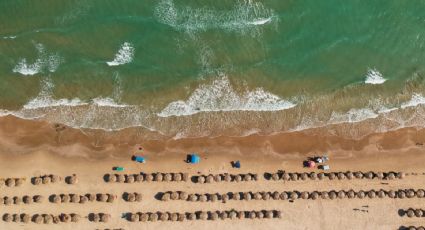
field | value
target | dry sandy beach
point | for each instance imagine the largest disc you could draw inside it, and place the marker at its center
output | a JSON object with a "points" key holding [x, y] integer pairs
{"points": [[33, 148]]}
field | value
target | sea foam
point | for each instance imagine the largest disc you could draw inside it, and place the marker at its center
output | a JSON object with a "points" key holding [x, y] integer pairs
{"points": [[417, 99], [221, 96], [44, 61], [374, 77], [124, 55]]}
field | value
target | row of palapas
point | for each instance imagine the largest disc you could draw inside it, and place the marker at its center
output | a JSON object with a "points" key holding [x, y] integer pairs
{"points": [[288, 176], [41, 218], [89, 197], [226, 177], [52, 179], [146, 177], [291, 195], [11, 182], [19, 200], [412, 228], [411, 212], [203, 215]]}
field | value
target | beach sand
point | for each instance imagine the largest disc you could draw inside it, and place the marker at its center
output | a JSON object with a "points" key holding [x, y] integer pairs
{"points": [[34, 148]]}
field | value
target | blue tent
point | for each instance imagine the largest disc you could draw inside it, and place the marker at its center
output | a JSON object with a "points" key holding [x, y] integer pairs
{"points": [[237, 164], [194, 158], [139, 159]]}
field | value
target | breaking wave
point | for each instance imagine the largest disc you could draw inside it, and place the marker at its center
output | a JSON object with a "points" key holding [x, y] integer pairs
{"points": [[374, 77], [221, 96], [124, 55], [44, 62]]}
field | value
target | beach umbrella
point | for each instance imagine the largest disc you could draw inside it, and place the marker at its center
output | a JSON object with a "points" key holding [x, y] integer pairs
{"points": [[8, 200], [158, 177], [257, 196], [37, 180], [19, 181], [224, 198], [275, 176], [349, 175], [183, 196], [26, 200], [56, 199], [174, 216], [104, 217], [285, 176], [7, 217], [177, 177], [132, 217], [392, 194], [223, 215], [75, 198], [65, 218], [293, 195], [246, 177], [341, 176], [361, 194], [10, 182], [167, 177], [351, 194], [138, 178], [46, 180], [149, 178], [369, 175], [25, 218], [420, 193], [304, 195], [358, 175], [254, 177], [217, 178], [83, 199], [252, 215], [420, 228], [102, 197], [65, 198], [16, 218], [401, 194], [191, 216], [166, 196], [227, 177], [213, 197], [275, 195], [401, 175], [54, 178], [269, 214], [324, 195], [38, 219], [332, 195], [153, 217], [182, 217], [410, 213], [265, 195], [371, 194], [313, 176], [233, 215], [294, 176], [260, 215], [331, 176], [203, 215], [410, 193], [111, 198], [201, 179], [174, 195], [130, 179], [380, 175], [213, 216], [48, 219], [247, 196], [120, 178], [203, 198], [238, 178], [138, 197], [241, 215], [304, 176], [75, 217], [418, 212], [283, 196], [236, 196], [72, 179], [192, 197], [209, 179], [2, 182], [111, 178], [314, 195], [277, 214], [341, 194], [38, 198], [185, 177], [391, 176], [17, 200], [143, 217], [381, 193], [321, 176]]}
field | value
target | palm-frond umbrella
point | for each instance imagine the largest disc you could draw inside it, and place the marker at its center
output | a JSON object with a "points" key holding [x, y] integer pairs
{"points": [[293, 195], [223, 215], [252, 215], [19, 181], [26, 200], [349, 175], [294, 176], [369, 175], [358, 175], [265, 195], [111, 198], [38, 198], [143, 217], [65, 217], [182, 217], [138, 197], [304, 195], [201, 179], [260, 215], [227, 177], [418, 212], [420, 193], [246, 177], [158, 177], [351, 194], [275, 195], [303, 176], [203, 215], [133, 217], [410, 213], [174, 195], [401, 194], [209, 179], [56, 199], [72, 179], [166, 196], [7, 217], [37, 180], [313, 176], [131, 197], [38, 219], [149, 177], [203, 198], [224, 198], [255, 177], [381, 193], [331, 176], [236, 196], [193, 197], [380, 175], [153, 217], [183, 196], [83, 199], [324, 195], [104, 217], [138, 178], [275, 176], [174, 216], [46, 179], [390, 176], [269, 214], [213, 197], [17, 200], [25, 218], [341, 176], [213, 216], [233, 215], [247, 196], [371, 194], [285, 176], [75, 198], [392, 194], [257, 196], [401, 175], [361, 194], [48, 219], [167, 177], [332, 195], [130, 179], [238, 178], [321, 176], [185, 177], [16, 218], [55, 178], [177, 177], [410, 193], [314, 195], [217, 178], [283, 196], [241, 215], [75, 217], [341, 194], [277, 214], [191, 216], [10, 182], [8, 200]]}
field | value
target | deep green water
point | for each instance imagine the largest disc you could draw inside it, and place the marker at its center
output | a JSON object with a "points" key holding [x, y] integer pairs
{"points": [[273, 65]]}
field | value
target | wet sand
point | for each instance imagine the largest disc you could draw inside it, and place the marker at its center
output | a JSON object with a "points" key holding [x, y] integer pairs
{"points": [[34, 148]]}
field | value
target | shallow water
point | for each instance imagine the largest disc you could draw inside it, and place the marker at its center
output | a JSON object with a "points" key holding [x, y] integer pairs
{"points": [[190, 68]]}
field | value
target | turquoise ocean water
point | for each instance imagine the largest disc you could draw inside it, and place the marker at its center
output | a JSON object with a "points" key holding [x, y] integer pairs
{"points": [[214, 67]]}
